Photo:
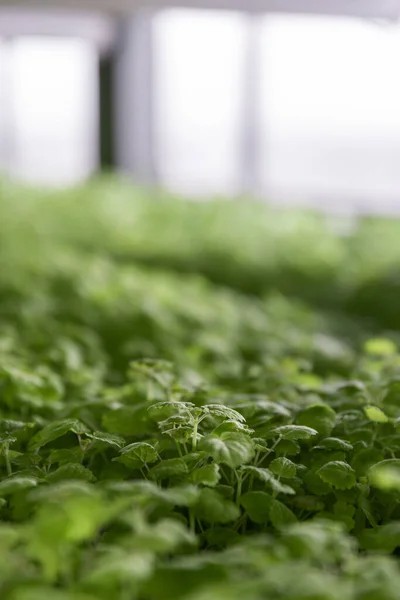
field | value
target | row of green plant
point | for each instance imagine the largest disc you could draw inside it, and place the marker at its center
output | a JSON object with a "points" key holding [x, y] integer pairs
{"points": [[166, 435], [248, 246]]}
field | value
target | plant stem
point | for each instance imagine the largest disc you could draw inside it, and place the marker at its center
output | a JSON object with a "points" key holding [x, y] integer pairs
{"points": [[178, 448], [7, 460], [251, 482], [148, 390], [194, 435], [224, 474], [192, 522], [264, 456], [239, 487]]}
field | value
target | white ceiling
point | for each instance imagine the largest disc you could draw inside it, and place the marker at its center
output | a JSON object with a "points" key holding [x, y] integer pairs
{"points": [[363, 8], [91, 19], [94, 26]]}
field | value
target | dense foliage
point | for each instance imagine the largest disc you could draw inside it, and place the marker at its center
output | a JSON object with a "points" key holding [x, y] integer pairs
{"points": [[197, 401]]}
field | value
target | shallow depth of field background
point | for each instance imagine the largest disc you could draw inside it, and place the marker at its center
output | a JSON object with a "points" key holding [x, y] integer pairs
{"points": [[320, 124]]}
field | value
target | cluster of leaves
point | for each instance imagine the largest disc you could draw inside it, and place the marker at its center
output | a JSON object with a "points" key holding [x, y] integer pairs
{"points": [[248, 246], [152, 489], [254, 453]]}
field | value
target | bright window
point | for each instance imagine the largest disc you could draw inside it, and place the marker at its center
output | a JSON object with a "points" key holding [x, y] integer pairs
{"points": [[49, 109], [198, 63], [328, 107], [331, 111]]}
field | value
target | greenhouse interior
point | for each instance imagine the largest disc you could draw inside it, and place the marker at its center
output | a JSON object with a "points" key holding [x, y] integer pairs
{"points": [[199, 300]]}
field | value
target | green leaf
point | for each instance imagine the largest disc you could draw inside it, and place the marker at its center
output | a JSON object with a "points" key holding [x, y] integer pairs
{"points": [[68, 511], [361, 434], [10, 425], [15, 484], [107, 439], [257, 506], [267, 476], [192, 459], [39, 592], [365, 458], [280, 515], [392, 393], [392, 443], [71, 471], [126, 421], [219, 410], [319, 417], [7, 439], [342, 508], [261, 445], [144, 491], [339, 474], [294, 432], [231, 448], [65, 455], [164, 537], [208, 475], [178, 427], [143, 451], [172, 467], [55, 430], [227, 491], [380, 347], [333, 443], [287, 448], [375, 414], [176, 411], [385, 475], [320, 458], [232, 426], [184, 495], [9, 535], [309, 503], [158, 370], [212, 508], [221, 537], [120, 567], [318, 540], [283, 467], [63, 491], [133, 464], [155, 365], [384, 538]]}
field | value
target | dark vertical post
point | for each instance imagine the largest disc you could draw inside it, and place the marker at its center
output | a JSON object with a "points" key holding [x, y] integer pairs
{"points": [[107, 111]]}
